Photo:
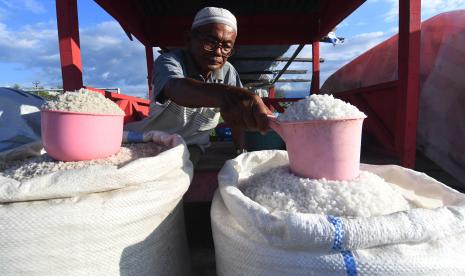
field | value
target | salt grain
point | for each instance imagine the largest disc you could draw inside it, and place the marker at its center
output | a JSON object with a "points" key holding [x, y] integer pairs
{"points": [[83, 101], [320, 107], [37, 166], [367, 195]]}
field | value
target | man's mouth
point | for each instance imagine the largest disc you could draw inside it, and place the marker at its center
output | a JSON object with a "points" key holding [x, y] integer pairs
{"points": [[214, 60]]}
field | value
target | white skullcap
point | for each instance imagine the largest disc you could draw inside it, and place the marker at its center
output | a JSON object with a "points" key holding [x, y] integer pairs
{"points": [[210, 15]]}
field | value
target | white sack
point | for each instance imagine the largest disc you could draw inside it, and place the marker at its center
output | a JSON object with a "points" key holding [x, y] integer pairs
{"points": [[250, 240], [99, 220]]}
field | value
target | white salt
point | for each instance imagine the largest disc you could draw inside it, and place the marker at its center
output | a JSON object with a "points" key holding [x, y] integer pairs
{"points": [[44, 164], [365, 196], [320, 107], [83, 101]]}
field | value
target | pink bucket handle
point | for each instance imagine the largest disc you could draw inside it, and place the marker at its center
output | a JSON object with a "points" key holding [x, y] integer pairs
{"points": [[273, 123]]}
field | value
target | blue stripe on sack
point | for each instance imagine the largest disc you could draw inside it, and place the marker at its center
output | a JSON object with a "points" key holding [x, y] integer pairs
{"points": [[134, 137], [338, 233], [348, 257], [349, 261]]}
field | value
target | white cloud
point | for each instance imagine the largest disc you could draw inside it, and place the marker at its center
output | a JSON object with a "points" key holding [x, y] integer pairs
{"points": [[286, 87], [428, 8], [33, 6], [109, 58], [335, 57]]}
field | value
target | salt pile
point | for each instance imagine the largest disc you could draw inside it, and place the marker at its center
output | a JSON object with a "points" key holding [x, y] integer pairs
{"points": [[320, 107], [44, 164], [368, 195], [83, 101]]}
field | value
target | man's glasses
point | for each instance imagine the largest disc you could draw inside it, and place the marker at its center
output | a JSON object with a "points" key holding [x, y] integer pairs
{"points": [[209, 44]]}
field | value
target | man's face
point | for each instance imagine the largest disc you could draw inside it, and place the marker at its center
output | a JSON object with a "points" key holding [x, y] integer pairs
{"points": [[204, 43]]}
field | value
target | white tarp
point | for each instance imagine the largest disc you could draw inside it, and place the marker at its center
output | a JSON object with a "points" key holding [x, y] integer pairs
{"points": [[19, 118]]}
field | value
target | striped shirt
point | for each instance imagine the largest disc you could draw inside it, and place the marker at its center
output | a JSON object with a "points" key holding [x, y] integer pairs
{"points": [[193, 124]]}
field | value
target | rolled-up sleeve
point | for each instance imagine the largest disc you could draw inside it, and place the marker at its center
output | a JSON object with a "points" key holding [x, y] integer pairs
{"points": [[165, 67], [231, 76]]}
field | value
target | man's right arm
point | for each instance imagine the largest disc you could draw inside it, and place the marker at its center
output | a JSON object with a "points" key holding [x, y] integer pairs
{"points": [[239, 107]]}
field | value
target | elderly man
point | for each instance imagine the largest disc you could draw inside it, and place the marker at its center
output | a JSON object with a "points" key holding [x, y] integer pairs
{"points": [[191, 86]]}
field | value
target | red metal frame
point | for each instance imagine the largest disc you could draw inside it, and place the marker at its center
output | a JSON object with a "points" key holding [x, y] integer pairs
{"points": [[392, 107], [273, 29], [409, 80], [376, 102], [135, 108], [70, 51], [315, 85]]}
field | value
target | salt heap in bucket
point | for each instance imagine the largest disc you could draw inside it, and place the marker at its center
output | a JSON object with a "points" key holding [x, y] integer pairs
{"points": [[323, 137], [81, 125], [315, 121]]}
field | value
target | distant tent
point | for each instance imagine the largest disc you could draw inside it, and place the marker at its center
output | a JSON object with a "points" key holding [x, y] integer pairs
{"points": [[441, 125]]}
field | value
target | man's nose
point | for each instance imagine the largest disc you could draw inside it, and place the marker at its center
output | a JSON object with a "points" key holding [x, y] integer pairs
{"points": [[218, 51]]}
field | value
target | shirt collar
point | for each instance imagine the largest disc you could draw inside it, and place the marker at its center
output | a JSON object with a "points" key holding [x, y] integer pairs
{"points": [[193, 71]]}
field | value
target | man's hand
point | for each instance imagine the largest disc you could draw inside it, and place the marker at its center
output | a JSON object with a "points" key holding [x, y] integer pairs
{"points": [[239, 107], [244, 109]]}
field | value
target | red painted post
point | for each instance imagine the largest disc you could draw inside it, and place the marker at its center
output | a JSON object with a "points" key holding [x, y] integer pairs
{"points": [[272, 92], [149, 57], [70, 52], [315, 85], [409, 80]]}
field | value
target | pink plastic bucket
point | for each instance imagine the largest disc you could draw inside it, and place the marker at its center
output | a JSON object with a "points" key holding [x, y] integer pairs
{"points": [[72, 136], [322, 148]]}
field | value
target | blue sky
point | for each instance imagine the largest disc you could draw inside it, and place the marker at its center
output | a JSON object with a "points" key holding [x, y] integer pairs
{"points": [[29, 43]]}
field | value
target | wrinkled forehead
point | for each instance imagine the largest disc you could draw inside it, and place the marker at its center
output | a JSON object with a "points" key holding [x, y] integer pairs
{"points": [[216, 30]]}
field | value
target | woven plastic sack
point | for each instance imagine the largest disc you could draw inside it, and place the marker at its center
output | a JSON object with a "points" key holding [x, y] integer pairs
{"points": [[100, 220], [250, 240]]}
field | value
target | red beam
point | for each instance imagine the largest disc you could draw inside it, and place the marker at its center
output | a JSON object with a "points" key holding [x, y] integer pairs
{"points": [[368, 89], [149, 58], [135, 109], [315, 86], [377, 103], [68, 36], [124, 12], [330, 19], [256, 30], [409, 79]]}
